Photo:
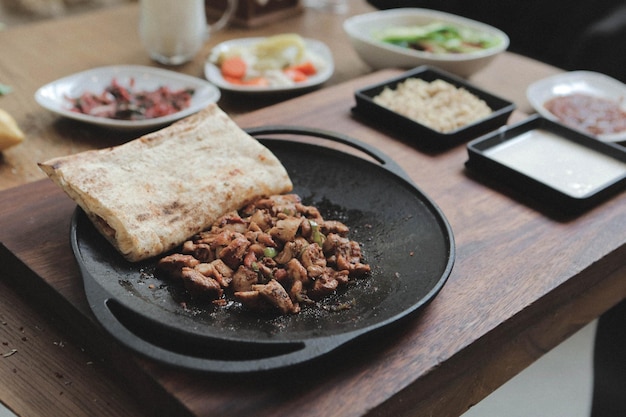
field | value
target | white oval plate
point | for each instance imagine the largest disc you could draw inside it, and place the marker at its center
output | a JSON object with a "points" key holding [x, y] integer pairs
{"points": [[213, 74], [584, 82], [54, 96]]}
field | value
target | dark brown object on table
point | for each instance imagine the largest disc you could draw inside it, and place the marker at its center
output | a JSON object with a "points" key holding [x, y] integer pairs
{"points": [[254, 13]]}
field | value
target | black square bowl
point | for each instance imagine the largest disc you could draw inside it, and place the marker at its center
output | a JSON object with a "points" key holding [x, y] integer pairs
{"points": [[409, 129], [551, 166]]}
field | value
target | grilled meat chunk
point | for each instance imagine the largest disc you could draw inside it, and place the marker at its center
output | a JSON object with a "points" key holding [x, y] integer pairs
{"points": [[275, 294], [172, 265], [244, 279], [198, 284]]}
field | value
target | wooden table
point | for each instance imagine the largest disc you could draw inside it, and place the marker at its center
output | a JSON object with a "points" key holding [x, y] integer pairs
{"points": [[522, 281], [109, 37]]}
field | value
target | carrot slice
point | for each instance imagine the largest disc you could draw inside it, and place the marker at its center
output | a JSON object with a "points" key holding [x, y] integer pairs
{"points": [[233, 67], [296, 75], [233, 80], [306, 68]]}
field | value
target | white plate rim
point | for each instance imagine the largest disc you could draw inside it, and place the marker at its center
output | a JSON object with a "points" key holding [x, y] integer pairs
{"points": [[52, 96], [582, 81], [213, 74]]}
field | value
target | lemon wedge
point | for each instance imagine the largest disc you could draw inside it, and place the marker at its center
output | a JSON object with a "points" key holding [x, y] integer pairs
{"points": [[10, 133]]}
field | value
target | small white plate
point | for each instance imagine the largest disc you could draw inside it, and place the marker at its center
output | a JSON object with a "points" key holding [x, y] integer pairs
{"points": [[54, 96], [583, 82], [213, 74]]}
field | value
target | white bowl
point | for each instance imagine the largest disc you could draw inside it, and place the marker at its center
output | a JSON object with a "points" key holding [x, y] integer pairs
{"points": [[378, 55], [582, 82]]}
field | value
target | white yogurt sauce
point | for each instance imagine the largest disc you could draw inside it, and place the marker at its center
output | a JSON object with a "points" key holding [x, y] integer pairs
{"points": [[559, 163]]}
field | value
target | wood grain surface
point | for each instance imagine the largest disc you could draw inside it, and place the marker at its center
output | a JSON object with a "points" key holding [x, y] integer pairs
{"points": [[34, 55], [523, 281]]}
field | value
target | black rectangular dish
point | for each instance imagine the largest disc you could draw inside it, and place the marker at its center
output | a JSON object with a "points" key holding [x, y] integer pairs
{"points": [[550, 163], [422, 134]]}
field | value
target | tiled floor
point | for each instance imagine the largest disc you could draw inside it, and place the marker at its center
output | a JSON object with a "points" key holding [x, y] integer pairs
{"points": [[5, 412], [557, 385]]}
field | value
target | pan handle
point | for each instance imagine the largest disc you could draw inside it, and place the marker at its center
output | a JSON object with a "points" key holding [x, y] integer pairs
{"points": [[287, 354], [384, 160]]}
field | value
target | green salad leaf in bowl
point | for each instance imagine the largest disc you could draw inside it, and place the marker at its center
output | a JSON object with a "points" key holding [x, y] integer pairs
{"points": [[437, 38]]}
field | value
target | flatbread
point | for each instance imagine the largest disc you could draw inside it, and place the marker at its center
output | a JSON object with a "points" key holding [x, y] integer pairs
{"points": [[149, 195]]}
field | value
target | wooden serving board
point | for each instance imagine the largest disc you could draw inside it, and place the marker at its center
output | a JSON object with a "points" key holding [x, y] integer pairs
{"points": [[511, 265]]}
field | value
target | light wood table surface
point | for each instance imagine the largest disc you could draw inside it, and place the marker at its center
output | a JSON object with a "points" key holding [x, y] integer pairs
{"points": [[522, 281], [34, 55]]}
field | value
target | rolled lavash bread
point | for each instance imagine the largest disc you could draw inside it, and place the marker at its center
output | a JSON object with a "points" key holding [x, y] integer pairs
{"points": [[149, 195]]}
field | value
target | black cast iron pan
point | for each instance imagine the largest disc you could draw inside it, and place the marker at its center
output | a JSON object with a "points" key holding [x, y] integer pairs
{"points": [[405, 238]]}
